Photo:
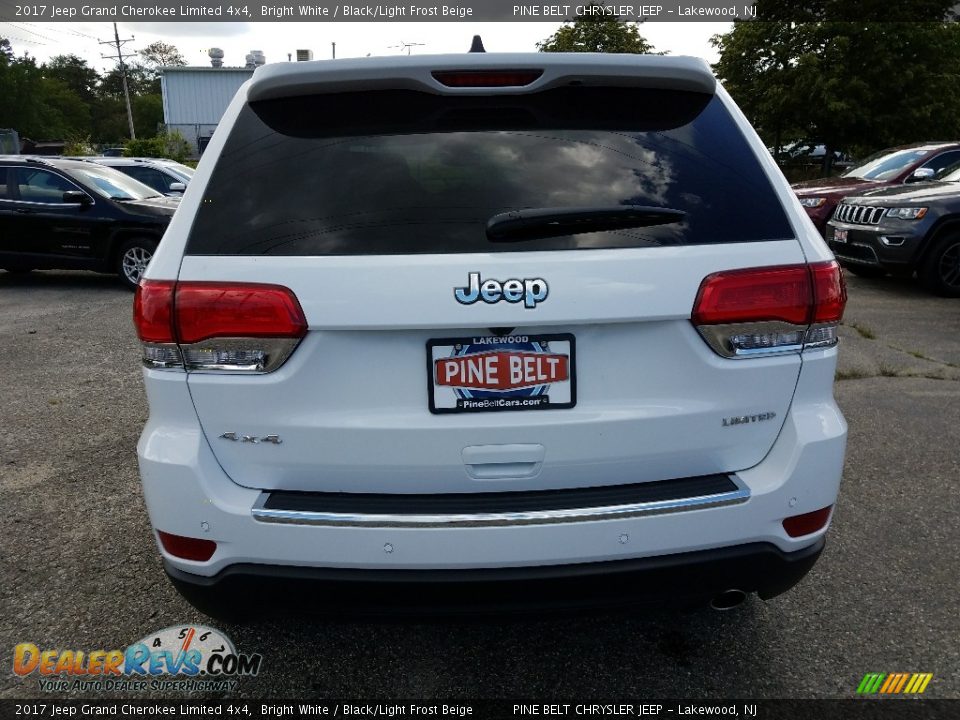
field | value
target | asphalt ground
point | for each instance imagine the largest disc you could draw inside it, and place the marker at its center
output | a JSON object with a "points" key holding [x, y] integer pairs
{"points": [[78, 566]]}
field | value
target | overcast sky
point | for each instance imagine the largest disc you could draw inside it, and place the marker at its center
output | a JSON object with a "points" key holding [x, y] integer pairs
{"points": [[276, 40]]}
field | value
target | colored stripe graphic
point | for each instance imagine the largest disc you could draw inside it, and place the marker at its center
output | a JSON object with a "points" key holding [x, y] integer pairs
{"points": [[870, 683], [918, 683], [894, 683]]}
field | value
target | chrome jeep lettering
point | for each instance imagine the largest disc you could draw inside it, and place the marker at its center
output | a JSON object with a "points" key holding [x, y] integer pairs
{"points": [[529, 290]]}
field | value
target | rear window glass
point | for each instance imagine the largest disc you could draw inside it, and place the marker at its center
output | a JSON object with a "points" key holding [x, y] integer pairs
{"points": [[403, 172]]}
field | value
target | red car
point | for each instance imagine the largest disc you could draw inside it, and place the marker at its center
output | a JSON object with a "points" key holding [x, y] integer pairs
{"points": [[893, 166]]}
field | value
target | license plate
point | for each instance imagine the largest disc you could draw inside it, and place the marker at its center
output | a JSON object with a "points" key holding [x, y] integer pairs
{"points": [[512, 372], [839, 235]]}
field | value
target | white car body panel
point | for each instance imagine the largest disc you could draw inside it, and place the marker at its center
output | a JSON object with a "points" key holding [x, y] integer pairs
{"points": [[651, 387]]}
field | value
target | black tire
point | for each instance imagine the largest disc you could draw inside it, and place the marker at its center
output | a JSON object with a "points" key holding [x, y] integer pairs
{"points": [[940, 271], [132, 259], [866, 271]]}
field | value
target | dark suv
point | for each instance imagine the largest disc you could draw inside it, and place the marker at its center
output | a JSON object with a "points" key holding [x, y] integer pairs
{"points": [[58, 214], [903, 230], [893, 166]]}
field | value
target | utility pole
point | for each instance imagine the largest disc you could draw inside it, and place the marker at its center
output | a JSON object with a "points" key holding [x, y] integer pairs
{"points": [[118, 43], [406, 46], [333, 47]]}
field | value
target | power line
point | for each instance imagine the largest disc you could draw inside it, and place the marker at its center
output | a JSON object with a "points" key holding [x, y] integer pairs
{"points": [[118, 44], [32, 32], [22, 40], [69, 32]]}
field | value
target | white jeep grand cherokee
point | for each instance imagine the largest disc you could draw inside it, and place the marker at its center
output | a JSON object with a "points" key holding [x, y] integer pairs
{"points": [[538, 322]]}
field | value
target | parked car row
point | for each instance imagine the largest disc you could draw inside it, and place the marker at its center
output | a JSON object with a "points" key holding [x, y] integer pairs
{"points": [[165, 176], [68, 214], [897, 212]]}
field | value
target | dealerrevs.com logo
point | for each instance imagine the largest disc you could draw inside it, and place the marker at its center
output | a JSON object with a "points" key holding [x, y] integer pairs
{"points": [[187, 658]]}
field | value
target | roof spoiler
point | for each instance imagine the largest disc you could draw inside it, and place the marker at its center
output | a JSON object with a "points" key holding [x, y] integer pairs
{"points": [[417, 73]]}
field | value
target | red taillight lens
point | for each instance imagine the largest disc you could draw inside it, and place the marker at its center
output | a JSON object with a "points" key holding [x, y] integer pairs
{"points": [[486, 78], [768, 310], [187, 548], [800, 525], [213, 326], [153, 311], [208, 310], [757, 294], [829, 292]]}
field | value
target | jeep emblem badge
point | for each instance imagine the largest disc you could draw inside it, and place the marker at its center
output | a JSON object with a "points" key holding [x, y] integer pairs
{"points": [[529, 290]]}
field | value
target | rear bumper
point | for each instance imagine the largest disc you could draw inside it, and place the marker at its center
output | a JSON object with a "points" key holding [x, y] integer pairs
{"points": [[188, 494], [689, 578]]}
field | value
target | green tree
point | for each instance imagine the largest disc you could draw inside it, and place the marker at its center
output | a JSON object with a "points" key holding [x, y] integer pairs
{"points": [[147, 114], [75, 74], [6, 51], [139, 80], [110, 121], [153, 58], [159, 54], [164, 145], [37, 107], [857, 86], [758, 67], [65, 114], [597, 33]]}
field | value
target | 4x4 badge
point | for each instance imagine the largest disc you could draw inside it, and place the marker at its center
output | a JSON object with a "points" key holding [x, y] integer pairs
{"points": [[275, 439], [529, 290]]}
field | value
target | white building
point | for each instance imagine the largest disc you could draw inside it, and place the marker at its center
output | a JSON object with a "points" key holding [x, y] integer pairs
{"points": [[195, 98]]}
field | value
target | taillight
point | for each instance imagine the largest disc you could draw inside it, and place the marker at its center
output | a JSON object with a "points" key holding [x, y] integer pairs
{"points": [[187, 548], [207, 310], [761, 311], [153, 310], [234, 327], [486, 78], [800, 525], [153, 318]]}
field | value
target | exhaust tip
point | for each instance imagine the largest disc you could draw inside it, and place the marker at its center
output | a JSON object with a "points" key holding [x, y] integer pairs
{"points": [[728, 600]]}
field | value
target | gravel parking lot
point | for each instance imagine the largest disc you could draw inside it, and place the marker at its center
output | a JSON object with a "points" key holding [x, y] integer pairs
{"points": [[79, 569]]}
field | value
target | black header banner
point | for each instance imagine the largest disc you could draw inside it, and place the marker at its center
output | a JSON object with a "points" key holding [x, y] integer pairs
{"points": [[854, 709], [360, 11], [456, 11]]}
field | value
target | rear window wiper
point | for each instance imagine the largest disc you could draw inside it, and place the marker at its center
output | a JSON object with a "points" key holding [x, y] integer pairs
{"points": [[536, 223]]}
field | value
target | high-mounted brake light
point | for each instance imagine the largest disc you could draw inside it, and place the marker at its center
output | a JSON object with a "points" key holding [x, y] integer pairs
{"points": [[761, 311], [486, 78], [237, 327]]}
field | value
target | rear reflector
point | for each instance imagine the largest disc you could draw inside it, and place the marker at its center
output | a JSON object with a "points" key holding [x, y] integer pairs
{"points": [[187, 548], [239, 327], [486, 78], [770, 309], [811, 522]]}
